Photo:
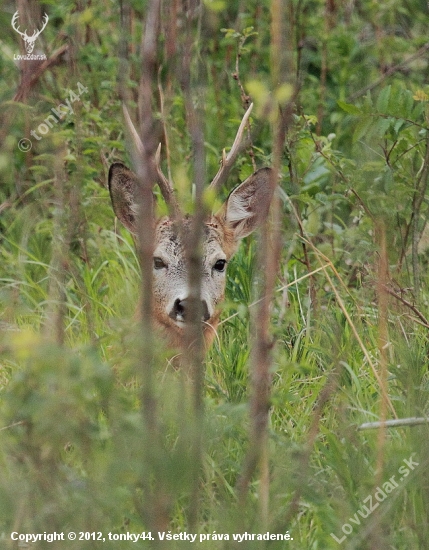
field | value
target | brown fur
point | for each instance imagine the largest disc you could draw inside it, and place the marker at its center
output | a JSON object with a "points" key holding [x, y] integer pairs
{"points": [[245, 209]]}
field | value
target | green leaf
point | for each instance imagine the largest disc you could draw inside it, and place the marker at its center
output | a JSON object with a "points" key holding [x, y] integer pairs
{"points": [[215, 5], [408, 103], [382, 104], [398, 125], [401, 102], [349, 108], [362, 127], [379, 128]]}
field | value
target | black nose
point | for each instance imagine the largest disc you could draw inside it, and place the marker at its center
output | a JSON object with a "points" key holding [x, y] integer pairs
{"points": [[206, 314], [178, 313], [180, 310]]}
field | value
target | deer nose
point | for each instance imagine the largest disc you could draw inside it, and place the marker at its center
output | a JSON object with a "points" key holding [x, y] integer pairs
{"points": [[180, 310], [206, 313]]}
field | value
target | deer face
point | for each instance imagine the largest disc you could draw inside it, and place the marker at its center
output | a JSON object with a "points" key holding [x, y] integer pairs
{"points": [[170, 273], [244, 210]]}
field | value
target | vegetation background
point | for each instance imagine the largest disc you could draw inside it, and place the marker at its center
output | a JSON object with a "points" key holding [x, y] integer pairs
{"points": [[90, 442]]}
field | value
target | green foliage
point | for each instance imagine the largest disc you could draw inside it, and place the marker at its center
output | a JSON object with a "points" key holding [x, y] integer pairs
{"points": [[77, 453]]}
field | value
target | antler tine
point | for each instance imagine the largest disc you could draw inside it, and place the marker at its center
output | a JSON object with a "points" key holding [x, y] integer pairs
{"points": [[14, 20], [137, 142], [45, 22], [164, 184], [229, 159]]}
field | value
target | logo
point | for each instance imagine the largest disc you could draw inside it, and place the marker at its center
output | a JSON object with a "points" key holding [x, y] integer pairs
{"points": [[29, 40]]}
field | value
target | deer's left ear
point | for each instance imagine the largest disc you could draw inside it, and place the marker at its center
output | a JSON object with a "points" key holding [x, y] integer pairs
{"points": [[248, 204]]}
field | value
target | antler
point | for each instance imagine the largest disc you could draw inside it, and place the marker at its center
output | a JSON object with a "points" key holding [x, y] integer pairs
{"points": [[164, 185], [228, 160], [14, 20], [24, 34], [36, 33], [45, 22]]}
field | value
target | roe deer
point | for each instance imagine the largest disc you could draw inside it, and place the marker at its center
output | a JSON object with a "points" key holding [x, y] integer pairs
{"points": [[244, 210]]}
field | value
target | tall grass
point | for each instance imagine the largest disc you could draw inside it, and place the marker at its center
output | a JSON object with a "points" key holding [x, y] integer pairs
{"points": [[348, 337]]}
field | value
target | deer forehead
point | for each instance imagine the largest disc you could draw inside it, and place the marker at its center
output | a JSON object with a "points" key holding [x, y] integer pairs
{"points": [[170, 239]]}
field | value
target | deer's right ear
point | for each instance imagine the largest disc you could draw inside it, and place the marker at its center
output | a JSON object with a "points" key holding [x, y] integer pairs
{"points": [[123, 191]]}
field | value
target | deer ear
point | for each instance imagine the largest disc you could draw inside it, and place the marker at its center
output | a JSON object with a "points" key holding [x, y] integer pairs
{"points": [[248, 204], [123, 191]]}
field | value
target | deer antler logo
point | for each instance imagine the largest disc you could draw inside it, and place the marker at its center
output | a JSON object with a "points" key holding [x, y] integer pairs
{"points": [[29, 40]]}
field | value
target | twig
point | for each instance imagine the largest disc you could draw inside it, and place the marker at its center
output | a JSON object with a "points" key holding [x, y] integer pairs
{"points": [[155, 493], [418, 197], [413, 421], [389, 72], [257, 454], [382, 341], [408, 304], [164, 121], [245, 99], [20, 423], [193, 245]]}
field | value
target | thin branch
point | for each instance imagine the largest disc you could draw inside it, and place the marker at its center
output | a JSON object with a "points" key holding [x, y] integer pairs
{"points": [[408, 304], [164, 120], [382, 342], [191, 81], [245, 99], [413, 421], [389, 72], [418, 197], [20, 423], [257, 454]]}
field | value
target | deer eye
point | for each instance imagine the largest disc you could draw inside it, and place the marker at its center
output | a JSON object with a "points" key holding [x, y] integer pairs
{"points": [[220, 265], [158, 263]]}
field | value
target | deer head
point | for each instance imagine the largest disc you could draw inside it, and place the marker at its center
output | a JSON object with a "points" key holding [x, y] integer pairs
{"points": [[29, 40], [244, 210]]}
